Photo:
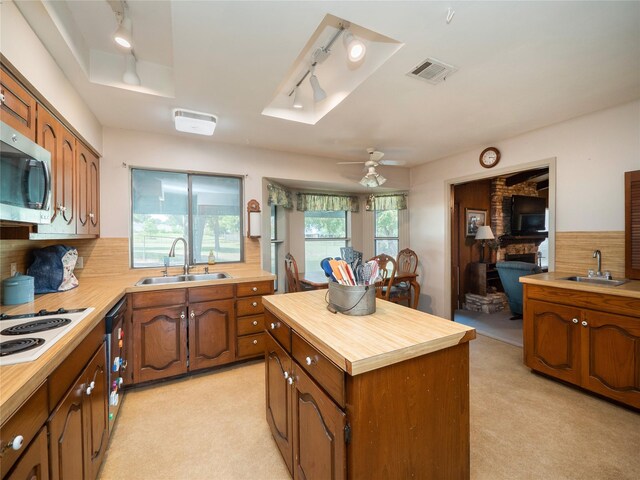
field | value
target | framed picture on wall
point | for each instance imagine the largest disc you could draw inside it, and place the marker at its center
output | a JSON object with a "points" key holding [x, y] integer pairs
{"points": [[474, 218]]}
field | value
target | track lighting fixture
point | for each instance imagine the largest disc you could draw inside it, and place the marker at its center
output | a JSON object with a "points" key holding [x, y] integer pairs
{"points": [[297, 103], [355, 47], [123, 36], [318, 93], [130, 76]]}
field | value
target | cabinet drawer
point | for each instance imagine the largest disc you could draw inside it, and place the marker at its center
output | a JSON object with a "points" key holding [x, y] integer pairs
{"points": [[251, 345], [213, 292], [27, 421], [322, 370], [159, 298], [254, 288], [278, 330], [249, 306], [249, 325]]}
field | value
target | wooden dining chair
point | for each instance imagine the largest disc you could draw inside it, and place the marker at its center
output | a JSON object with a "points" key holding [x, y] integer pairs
{"points": [[387, 272], [293, 279], [407, 263]]}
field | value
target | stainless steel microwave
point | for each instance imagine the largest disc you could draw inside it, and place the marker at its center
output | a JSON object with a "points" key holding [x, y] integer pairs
{"points": [[25, 178]]}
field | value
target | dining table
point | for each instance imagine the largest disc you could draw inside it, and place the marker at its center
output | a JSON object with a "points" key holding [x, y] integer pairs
{"points": [[316, 280]]}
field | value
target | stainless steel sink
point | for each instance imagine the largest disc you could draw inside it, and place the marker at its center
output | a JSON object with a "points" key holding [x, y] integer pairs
{"points": [[597, 281], [183, 278]]}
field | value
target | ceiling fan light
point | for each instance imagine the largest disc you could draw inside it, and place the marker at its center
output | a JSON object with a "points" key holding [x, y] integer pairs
{"points": [[130, 76], [356, 48], [318, 93], [123, 36], [380, 179], [297, 102]]}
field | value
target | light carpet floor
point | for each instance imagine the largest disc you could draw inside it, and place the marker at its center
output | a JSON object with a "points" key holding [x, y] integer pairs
{"points": [[495, 325], [523, 426]]}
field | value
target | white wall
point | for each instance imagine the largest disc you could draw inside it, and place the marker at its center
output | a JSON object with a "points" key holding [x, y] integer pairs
{"points": [[21, 46], [185, 152], [592, 153]]}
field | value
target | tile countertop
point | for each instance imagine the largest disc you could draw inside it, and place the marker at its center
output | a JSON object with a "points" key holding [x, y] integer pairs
{"points": [[558, 280], [19, 381], [358, 344]]}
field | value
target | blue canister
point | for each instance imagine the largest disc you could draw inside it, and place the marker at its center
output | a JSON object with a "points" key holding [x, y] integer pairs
{"points": [[17, 289]]}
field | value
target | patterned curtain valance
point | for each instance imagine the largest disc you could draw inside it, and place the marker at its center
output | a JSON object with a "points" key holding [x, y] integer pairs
{"points": [[329, 203], [387, 202], [279, 196]]}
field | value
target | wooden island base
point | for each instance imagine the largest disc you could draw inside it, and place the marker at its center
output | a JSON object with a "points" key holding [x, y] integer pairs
{"points": [[405, 416]]}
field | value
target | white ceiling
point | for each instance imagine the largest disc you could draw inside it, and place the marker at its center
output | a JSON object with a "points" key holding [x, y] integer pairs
{"points": [[522, 66]]}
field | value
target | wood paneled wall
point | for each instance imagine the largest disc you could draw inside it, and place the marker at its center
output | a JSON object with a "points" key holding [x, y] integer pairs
{"points": [[574, 252], [102, 256]]}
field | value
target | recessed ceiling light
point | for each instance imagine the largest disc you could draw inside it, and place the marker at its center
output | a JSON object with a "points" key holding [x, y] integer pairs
{"points": [[194, 122]]}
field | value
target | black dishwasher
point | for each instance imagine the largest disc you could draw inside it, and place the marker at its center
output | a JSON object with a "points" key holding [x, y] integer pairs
{"points": [[116, 352]]}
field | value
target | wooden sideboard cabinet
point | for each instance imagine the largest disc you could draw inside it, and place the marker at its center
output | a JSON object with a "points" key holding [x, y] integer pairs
{"points": [[588, 339], [481, 277]]}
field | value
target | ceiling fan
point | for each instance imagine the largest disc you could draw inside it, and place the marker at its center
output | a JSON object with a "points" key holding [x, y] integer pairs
{"points": [[372, 178]]}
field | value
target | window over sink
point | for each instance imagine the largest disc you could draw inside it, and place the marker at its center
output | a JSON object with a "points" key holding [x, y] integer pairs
{"points": [[206, 210]]}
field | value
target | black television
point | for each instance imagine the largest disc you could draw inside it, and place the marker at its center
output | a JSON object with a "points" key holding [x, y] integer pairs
{"points": [[527, 215]]}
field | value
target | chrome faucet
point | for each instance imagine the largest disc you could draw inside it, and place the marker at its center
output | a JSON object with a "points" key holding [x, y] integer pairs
{"points": [[598, 256], [172, 253]]}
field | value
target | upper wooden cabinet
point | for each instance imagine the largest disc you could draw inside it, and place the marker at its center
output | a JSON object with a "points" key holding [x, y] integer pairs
{"points": [[18, 107], [52, 136], [88, 178], [632, 224]]}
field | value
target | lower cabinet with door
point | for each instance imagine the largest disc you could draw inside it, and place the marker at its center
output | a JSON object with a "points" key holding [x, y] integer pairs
{"points": [[589, 339], [176, 331], [402, 420]]}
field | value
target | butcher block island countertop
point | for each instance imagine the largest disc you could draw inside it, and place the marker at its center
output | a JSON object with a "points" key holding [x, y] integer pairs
{"points": [[359, 344], [19, 381]]}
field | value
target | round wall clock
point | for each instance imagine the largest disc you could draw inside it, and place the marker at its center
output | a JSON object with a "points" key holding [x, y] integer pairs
{"points": [[489, 157]]}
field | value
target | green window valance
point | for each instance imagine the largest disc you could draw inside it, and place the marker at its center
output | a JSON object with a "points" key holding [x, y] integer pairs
{"points": [[328, 203], [387, 202], [279, 195]]}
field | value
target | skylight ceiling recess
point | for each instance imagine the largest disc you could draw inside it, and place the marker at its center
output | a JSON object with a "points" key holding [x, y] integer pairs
{"points": [[338, 75]]}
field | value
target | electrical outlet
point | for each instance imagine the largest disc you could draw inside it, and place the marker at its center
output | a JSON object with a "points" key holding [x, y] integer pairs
{"points": [[14, 269], [80, 263]]}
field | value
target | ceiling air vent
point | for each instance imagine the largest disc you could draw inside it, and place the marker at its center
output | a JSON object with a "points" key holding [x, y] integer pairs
{"points": [[432, 70]]}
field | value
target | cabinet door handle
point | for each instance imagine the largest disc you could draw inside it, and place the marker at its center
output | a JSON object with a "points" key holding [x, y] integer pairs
{"points": [[274, 325], [91, 215], [285, 374], [575, 320], [182, 315], [255, 304], [310, 361], [255, 342], [254, 323], [290, 380], [90, 388], [192, 314], [255, 289], [14, 444], [584, 323]]}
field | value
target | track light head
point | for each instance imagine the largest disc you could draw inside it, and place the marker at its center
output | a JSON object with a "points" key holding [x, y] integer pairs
{"points": [[318, 93], [130, 76], [297, 103], [356, 48], [123, 36]]}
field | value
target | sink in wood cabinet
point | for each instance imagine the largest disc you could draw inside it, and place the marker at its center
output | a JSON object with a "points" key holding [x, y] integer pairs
{"points": [[597, 281]]}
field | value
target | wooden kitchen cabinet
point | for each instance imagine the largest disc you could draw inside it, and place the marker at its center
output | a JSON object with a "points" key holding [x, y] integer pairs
{"points": [[78, 425], [34, 463], [53, 137], [18, 106], [160, 342], [88, 178], [588, 339], [250, 318], [632, 224], [211, 334]]}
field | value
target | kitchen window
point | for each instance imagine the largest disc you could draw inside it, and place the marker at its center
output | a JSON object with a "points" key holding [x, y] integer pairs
{"points": [[325, 232], [386, 232], [205, 210]]}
